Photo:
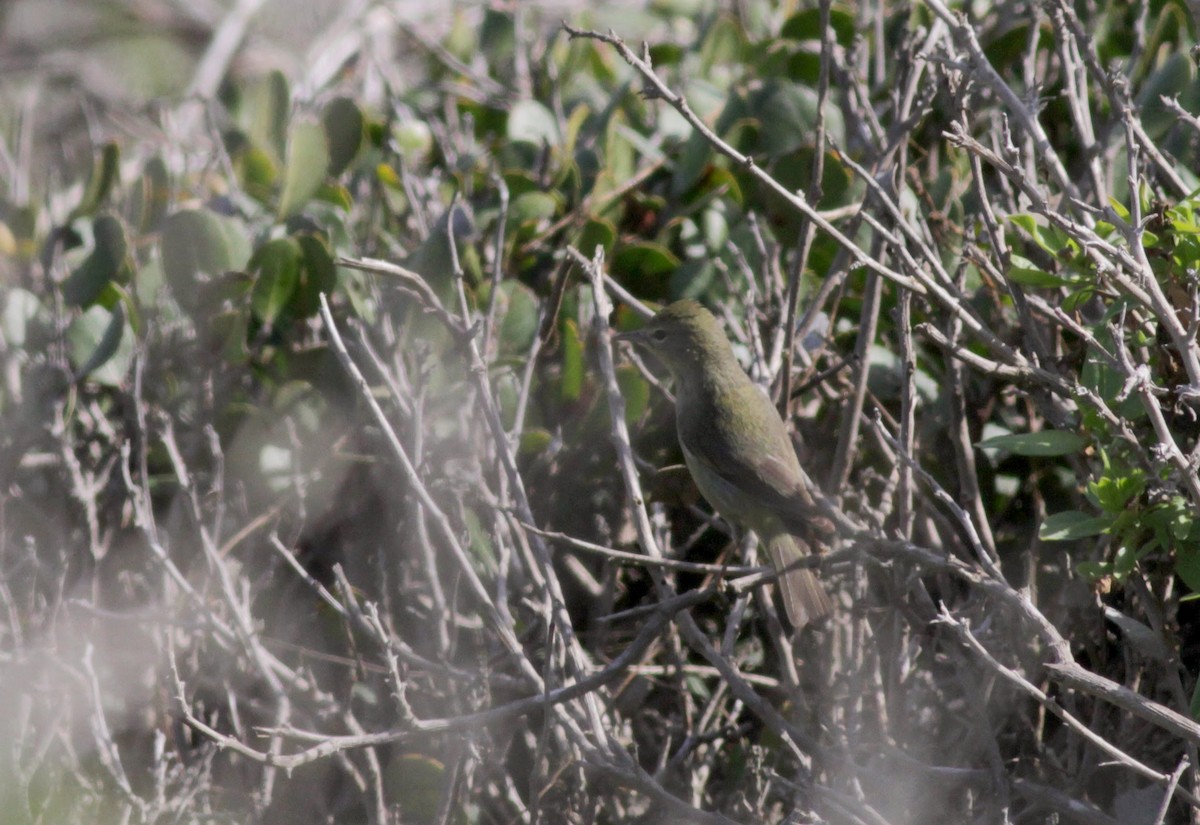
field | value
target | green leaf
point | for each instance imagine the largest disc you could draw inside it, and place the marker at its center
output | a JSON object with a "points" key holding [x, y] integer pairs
{"points": [[105, 172], [806, 25], [20, 307], [575, 122], [531, 122], [636, 392], [1072, 524], [695, 159], [532, 207], [413, 139], [714, 228], [520, 322], [482, 552], [1022, 271], [1170, 80], [103, 265], [498, 37], [277, 266], [196, 243], [1047, 237], [265, 113], [666, 54], [101, 345], [804, 66], [1047, 443], [417, 781], [1078, 298], [258, 172], [335, 194], [693, 278], [535, 440], [1187, 567], [463, 38], [723, 44], [154, 189], [316, 276], [644, 259], [304, 169], [787, 116], [572, 361], [1126, 559], [1112, 494], [1094, 570], [597, 232], [345, 128]]}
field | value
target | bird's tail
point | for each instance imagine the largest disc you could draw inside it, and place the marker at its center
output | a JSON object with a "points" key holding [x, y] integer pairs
{"points": [[804, 598]]}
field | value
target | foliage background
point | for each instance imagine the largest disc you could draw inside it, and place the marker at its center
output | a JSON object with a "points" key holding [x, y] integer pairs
{"points": [[235, 590]]}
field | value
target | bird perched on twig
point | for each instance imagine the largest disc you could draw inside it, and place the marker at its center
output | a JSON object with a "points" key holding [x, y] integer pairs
{"points": [[737, 449]]}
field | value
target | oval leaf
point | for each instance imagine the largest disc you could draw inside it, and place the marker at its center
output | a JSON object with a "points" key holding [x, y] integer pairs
{"points": [[304, 169], [1046, 443], [572, 361], [154, 195], [344, 127], [196, 243], [520, 322], [597, 232], [20, 308], [102, 266], [1187, 566], [645, 259], [1071, 525], [317, 275], [104, 174], [1023, 272], [531, 122], [100, 345], [277, 267]]}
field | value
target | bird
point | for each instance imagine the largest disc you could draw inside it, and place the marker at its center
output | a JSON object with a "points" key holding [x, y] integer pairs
{"points": [[737, 449]]}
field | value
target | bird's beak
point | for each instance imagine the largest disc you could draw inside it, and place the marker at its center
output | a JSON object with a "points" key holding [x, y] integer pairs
{"points": [[635, 337]]}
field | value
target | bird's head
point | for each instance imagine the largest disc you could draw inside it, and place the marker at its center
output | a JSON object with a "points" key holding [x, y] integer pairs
{"points": [[686, 338]]}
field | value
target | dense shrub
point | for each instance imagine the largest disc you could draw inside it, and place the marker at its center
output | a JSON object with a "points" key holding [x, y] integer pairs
{"points": [[324, 498]]}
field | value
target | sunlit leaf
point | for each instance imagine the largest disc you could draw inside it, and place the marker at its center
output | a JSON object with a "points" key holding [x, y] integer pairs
{"points": [[1047, 443], [101, 345], [265, 112], [20, 307], [572, 361], [1072, 524], [276, 266], [304, 168], [531, 122], [532, 207], [535, 440], [1023, 272]]}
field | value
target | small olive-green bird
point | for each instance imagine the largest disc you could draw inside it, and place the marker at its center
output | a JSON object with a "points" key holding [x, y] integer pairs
{"points": [[737, 449]]}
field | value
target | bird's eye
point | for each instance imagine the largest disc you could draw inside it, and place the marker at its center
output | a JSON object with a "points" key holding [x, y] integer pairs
{"points": [[659, 335]]}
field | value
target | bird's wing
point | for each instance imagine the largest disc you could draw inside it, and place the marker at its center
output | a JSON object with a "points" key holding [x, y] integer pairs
{"points": [[772, 482]]}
